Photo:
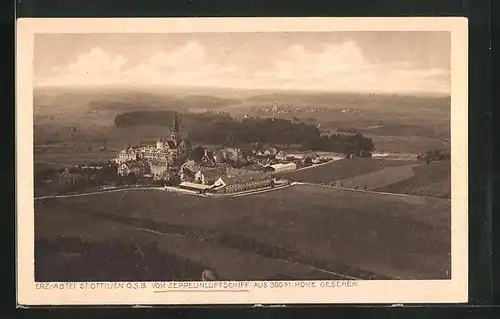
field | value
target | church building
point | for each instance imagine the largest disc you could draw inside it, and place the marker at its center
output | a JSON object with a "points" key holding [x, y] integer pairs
{"points": [[162, 157], [175, 151]]}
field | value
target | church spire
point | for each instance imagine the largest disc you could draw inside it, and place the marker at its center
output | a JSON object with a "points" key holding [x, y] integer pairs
{"points": [[175, 135], [175, 126]]}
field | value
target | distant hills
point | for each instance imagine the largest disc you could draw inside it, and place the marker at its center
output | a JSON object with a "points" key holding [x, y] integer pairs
{"points": [[182, 98]]}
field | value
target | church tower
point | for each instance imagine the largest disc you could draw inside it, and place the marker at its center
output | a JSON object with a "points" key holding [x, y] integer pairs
{"points": [[175, 135], [159, 144]]}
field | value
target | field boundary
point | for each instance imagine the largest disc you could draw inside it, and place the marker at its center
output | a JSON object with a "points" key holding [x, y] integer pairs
{"points": [[313, 166], [166, 189], [311, 267], [98, 192], [367, 191], [250, 192], [233, 195]]}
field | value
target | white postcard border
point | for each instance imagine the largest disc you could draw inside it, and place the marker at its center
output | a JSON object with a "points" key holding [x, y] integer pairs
{"points": [[404, 291]]}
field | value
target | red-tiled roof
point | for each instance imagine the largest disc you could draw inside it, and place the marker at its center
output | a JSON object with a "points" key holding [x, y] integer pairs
{"points": [[245, 178], [159, 163], [211, 172]]}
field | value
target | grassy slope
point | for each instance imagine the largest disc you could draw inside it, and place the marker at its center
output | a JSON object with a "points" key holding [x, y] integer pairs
{"points": [[77, 248], [433, 180], [342, 169], [334, 229], [411, 144], [393, 176], [378, 179], [66, 242]]}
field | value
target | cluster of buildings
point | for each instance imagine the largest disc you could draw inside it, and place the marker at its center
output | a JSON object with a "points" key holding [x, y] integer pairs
{"points": [[276, 109], [213, 173], [222, 178], [160, 161], [224, 170]]}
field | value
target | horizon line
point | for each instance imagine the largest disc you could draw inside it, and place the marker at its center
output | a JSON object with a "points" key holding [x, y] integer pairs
{"points": [[277, 90]]}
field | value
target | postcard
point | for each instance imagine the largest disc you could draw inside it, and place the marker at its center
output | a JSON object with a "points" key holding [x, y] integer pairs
{"points": [[205, 161]]}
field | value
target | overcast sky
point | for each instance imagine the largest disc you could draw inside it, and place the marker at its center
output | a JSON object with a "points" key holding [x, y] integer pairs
{"points": [[379, 62]]}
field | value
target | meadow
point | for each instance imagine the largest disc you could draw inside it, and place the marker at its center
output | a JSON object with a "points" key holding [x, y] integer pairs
{"points": [[401, 176], [433, 180], [342, 169], [123, 250], [352, 233]]}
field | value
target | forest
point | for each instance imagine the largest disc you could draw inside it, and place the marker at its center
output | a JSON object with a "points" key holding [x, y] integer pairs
{"points": [[280, 131], [164, 118], [225, 130]]}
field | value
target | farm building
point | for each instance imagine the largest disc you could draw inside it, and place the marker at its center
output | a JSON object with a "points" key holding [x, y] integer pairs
{"points": [[237, 171], [233, 154], [196, 173], [242, 182], [283, 167], [208, 175], [128, 154], [138, 168], [188, 171], [201, 188], [281, 156], [297, 156], [158, 169], [255, 167]]}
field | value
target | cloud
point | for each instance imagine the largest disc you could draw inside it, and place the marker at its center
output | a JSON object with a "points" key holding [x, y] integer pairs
{"points": [[342, 67], [96, 62], [188, 65], [336, 67], [92, 67], [191, 54]]}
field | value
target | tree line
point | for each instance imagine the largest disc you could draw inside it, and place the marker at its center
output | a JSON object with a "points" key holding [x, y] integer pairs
{"points": [[434, 155], [280, 131], [225, 130]]}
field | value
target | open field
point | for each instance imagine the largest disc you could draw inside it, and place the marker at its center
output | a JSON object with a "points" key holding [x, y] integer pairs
{"points": [[341, 169], [433, 180], [378, 179], [67, 259], [403, 143], [70, 156], [352, 233], [126, 252], [385, 175]]}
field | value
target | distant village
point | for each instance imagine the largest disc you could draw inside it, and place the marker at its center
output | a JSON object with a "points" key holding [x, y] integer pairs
{"points": [[221, 170], [276, 109]]}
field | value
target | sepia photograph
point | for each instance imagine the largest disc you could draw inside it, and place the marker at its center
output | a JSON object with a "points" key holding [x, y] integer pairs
{"points": [[208, 159]]}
